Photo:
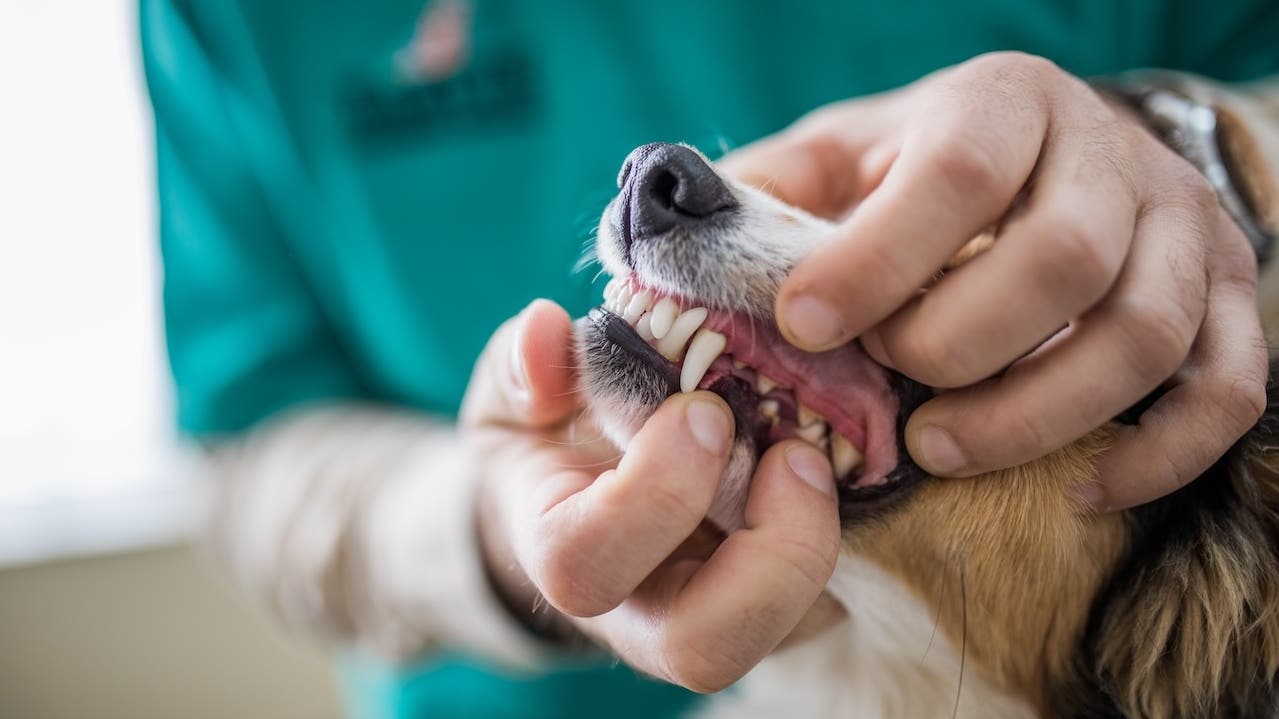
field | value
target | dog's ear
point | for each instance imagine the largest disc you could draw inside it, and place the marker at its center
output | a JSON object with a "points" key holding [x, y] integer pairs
{"points": [[1188, 625]]}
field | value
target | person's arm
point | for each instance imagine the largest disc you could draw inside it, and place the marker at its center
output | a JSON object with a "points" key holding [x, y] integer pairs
{"points": [[353, 520], [359, 522]]}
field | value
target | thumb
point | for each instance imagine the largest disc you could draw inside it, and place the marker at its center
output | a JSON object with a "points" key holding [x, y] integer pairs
{"points": [[524, 377]]}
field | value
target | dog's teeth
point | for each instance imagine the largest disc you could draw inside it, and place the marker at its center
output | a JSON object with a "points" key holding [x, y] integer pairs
{"points": [[702, 351], [812, 433], [664, 314], [621, 299], [672, 345], [637, 305], [764, 385], [738, 364], [645, 326], [610, 290], [770, 408], [807, 416], [843, 455]]}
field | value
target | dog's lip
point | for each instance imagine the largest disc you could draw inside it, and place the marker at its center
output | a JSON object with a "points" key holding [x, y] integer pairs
{"points": [[844, 385]]}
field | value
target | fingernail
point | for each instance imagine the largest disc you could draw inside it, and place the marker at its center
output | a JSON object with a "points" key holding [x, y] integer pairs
{"points": [[812, 467], [708, 422], [941, 454], [812, 322], [519, 377]]}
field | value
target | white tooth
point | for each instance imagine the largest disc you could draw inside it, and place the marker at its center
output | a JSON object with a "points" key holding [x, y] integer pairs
{"points": [[770, 408], [672, 345], [621, 299], [812, 433], [610, 290], [637, 305], [664, 316], [738, 364], [644, 326], [843, 455], [702, 351], [764, 385], [807, 416]]}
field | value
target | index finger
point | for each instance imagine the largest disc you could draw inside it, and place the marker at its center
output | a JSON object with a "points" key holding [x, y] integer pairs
{"points": [[959, 170]]}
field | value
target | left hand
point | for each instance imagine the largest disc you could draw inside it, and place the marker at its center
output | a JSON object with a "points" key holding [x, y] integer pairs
{"points": [[1102, 230]]}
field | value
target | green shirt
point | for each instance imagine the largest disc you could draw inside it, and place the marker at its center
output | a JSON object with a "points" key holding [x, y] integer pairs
{"points": [[333, 226]]}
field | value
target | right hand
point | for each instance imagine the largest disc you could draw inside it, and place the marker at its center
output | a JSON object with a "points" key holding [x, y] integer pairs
{"points": [[618, 544]]}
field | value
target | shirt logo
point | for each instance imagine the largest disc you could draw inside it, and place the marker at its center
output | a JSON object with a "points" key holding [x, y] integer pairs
{"points": [[448, 80], [441, 44]]}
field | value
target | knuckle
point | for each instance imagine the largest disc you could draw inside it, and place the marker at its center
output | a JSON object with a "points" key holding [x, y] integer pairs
{"points": [[1076, 259], [814, 563], [968, 164], [1031, 67], [680, 498], [561, 576], [686, 662], [936, 359], [1158, 335], [1033, 433], [1242, 399], [1199, 194]]}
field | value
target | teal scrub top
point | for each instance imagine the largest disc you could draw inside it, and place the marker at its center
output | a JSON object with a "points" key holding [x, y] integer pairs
{"points": [[333, 226]]}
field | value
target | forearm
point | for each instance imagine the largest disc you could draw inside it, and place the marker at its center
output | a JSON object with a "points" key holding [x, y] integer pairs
{"points": [[358, 523]]}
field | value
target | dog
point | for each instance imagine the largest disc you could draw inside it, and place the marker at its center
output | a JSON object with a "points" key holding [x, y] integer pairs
{"points": [[996, 596]]}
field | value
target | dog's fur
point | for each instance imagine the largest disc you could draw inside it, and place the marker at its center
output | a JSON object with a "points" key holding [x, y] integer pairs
{"points": [[999, 595]]}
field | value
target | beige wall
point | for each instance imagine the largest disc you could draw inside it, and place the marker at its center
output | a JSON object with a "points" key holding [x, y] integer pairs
{"points": [[149, 634]]}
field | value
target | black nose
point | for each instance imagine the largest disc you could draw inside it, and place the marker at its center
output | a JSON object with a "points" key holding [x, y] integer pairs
{"points": [[667, 186]]}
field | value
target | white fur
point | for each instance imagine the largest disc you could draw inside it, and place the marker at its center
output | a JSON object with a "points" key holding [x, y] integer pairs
{"points": [[884, 662]]}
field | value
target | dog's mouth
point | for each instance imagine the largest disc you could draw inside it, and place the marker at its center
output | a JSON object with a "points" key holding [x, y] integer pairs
{"points": [[840, 401]]}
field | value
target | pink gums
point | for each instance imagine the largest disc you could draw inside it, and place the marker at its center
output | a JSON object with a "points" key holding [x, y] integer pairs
{"points": [[844, 385]]}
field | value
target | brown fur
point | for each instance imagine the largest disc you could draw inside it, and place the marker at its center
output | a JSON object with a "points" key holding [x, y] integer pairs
{"points": [[1087, 615]]}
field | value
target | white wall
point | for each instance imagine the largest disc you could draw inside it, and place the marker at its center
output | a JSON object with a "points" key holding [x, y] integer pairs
{"points": [[87, 455]]}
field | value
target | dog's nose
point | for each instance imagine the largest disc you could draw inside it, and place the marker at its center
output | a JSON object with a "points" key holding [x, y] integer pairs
{"points": [[668, 186]]}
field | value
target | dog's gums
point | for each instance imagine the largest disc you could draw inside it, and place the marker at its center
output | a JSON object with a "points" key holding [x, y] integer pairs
{"points": [[771, 408]]}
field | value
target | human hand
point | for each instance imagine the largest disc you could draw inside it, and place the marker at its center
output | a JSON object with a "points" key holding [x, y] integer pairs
{"points": [[618, 544], [1101, 230]]}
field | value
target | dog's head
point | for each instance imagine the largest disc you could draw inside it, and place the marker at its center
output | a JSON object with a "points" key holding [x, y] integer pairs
{"points": [[1167, 610]]}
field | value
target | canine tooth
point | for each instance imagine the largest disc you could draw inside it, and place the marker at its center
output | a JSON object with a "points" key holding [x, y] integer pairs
{"points": [[843, 455], [807, 416], [644, 326], [637, 305], [764, 385], [664, 314], [812, 433], [770, 408], [702, 351], [672, 345], [738, 364]]}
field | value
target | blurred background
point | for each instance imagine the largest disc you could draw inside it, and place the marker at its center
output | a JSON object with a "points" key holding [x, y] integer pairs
{"points": [[108, 608]]}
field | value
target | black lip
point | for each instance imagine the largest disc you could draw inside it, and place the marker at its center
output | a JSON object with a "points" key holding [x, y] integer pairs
{"points": [[619, 332], [860, 504]]}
